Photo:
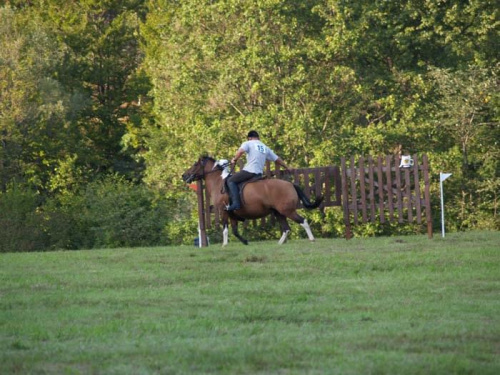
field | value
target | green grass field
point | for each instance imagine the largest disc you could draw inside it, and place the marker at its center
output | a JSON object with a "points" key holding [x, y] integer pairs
{"points": [[393, 305]]}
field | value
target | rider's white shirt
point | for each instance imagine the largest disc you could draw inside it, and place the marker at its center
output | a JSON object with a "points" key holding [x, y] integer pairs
{"points": [[257, 154]]}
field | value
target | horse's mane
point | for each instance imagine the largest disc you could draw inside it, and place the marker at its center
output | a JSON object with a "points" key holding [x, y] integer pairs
{"points": [[207, 157]]}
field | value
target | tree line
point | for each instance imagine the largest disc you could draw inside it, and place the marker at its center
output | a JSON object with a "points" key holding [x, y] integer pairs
{"points": [[105, 103]]}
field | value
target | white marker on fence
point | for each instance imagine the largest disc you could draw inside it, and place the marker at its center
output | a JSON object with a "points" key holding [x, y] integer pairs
{"points": [[442, 177]]}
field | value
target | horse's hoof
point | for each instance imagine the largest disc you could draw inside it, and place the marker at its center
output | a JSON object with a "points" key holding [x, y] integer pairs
{"points": [[245, 242]]}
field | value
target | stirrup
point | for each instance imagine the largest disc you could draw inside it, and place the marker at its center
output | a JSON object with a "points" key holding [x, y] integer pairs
{"points": [[228, 208]]}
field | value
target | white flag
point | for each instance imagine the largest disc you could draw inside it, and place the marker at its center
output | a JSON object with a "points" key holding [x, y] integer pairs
{"points": [[443, 176]]}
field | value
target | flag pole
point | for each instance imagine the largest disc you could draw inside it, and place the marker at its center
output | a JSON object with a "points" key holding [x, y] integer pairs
{"points": [[442, 177]]}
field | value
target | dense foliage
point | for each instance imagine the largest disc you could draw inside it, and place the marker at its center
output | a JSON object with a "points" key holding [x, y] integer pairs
{"points": [[140, 88]]}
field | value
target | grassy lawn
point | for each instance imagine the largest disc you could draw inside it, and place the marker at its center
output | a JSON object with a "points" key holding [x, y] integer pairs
{"points": [[392, 305]]}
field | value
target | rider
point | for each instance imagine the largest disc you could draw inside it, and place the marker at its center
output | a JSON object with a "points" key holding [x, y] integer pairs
{"points": [[257, 154]]}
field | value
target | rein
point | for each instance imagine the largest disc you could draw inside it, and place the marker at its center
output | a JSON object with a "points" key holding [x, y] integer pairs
{"points": [[203, 173]]}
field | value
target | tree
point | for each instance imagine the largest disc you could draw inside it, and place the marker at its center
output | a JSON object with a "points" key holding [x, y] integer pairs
{"points": [[221, 68], [102, 41], [467, 110], [70, 91], [35, 125], [465, 98]]}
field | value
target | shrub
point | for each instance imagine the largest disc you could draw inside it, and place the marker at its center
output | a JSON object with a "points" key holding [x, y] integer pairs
{"points": [[120, 213], [21, 222], [111, 212]]}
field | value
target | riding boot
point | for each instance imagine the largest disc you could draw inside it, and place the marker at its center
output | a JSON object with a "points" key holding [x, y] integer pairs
{"points": [[234, 195]]}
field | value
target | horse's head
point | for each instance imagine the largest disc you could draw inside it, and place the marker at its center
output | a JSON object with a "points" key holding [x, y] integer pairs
{"points": [[199, 169]]}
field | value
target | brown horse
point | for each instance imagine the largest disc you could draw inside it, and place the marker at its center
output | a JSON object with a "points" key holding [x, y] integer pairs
{"points": [[261, 198]]}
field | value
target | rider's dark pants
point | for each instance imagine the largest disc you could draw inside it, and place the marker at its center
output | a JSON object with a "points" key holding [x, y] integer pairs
{"points": [[240, 177], [232, 184]]}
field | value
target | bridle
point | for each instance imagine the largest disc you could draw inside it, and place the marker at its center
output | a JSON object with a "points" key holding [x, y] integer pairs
{"points": [[196, 177]]}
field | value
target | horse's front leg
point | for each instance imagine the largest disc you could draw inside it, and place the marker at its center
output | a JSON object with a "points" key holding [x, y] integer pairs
{"points": [[225, 229], [234, 226]]}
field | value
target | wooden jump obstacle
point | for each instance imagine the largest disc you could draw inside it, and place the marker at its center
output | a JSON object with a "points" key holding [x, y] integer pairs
{"points": [[368, 190], [379, 189]]}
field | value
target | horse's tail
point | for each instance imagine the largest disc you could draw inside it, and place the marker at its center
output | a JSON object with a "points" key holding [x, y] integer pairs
{"points": [[305, 201]]}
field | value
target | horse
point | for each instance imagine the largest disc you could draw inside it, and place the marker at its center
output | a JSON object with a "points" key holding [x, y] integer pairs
{"points": [[261, 198]]}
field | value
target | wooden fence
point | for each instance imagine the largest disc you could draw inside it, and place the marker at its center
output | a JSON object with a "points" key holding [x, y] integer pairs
{"points": [[379, 189], [368, 190]]}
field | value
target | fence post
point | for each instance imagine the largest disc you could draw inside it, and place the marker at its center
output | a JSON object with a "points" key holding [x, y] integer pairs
{"points": [[427, 196], [345, 199], [200, 191]]}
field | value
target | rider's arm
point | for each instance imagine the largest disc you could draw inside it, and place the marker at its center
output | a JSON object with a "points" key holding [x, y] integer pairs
{"points": [[282, 163], [237, 156]]}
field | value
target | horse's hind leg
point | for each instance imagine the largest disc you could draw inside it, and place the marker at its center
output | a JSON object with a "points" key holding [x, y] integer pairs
{"points": [[285, 228], [306, 226], [234, 226], [303, 223]]}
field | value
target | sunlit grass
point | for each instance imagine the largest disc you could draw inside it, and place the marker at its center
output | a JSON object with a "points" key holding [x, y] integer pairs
{"points": [[404, 305]]}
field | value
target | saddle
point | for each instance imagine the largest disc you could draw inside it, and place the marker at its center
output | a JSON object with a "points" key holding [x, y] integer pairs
{"points": [[242, 185]]}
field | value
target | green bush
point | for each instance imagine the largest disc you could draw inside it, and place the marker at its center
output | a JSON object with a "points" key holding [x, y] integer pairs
{"points": [[21, 222], [112, 212], [65, 224], [119, 213]]}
